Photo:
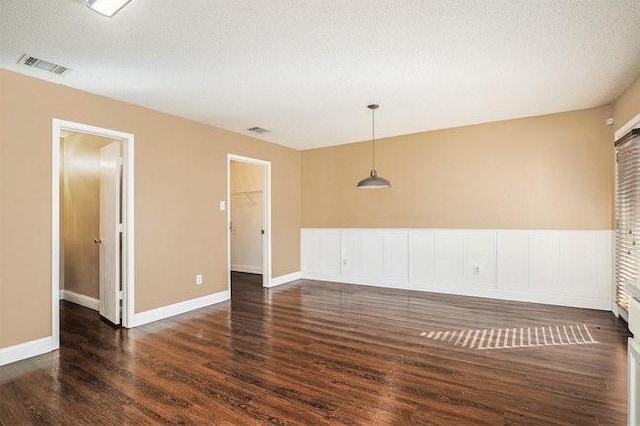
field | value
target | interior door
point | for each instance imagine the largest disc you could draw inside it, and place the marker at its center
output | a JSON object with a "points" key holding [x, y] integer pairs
{"points": [[109, 232], [247, 232]]}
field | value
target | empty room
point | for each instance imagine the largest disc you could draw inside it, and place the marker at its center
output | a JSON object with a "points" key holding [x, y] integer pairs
{"points": [[319, 212]]}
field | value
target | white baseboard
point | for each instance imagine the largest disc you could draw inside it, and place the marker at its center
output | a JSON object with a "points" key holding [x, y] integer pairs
{"points": [[61, 295], [179, 308], [25, 350], [81, 299], [283, 279], [249, 269], [576, 302]]}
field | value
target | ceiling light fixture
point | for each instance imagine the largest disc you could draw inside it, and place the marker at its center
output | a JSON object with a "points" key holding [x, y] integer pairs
{"points": [[107, 7], [373, 181]]}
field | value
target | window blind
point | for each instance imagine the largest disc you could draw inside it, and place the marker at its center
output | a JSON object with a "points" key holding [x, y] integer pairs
{"points": [[627, 247]]}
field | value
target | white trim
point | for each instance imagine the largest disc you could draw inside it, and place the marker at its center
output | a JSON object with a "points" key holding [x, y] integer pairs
{"points": [[128, 216], [128, 220], [179, 308], [55, 237], [80, 299], [284, 279], [266, 242], [61, 295], [614, 305], [457, 230], [26, 350], [624, 315], [576, 302], [249, 269], [633, 355], [614, 290], [620, 133], [628, 126]]}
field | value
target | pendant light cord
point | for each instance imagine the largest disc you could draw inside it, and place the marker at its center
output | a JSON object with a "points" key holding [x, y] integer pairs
{"points": [[373, 138]]}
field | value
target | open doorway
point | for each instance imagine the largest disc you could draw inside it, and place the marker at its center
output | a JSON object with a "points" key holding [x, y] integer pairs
{"points": [[92, 222], [248, 200]]}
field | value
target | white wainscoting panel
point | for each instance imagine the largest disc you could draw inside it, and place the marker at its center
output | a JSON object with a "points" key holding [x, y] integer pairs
{"points": [[479, 268], [321, 252], [513, 268], [570, 268], [375, 254], [448, 259], [422, 258], [542, 255], [452, 259]]}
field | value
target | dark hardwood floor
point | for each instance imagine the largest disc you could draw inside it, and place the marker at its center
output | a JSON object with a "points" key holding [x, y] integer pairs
{"points": [[321, 353]]}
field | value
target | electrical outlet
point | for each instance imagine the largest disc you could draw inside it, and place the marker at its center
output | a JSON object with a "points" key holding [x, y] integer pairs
{"points": [[476, 270], [199, 279]]}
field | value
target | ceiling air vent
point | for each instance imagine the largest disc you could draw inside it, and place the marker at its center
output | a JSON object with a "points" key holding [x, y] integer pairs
{"points": [[33, 62], [258, 130]]}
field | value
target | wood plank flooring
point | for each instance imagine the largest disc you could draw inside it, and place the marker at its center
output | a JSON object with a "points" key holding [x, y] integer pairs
{"points": [[321, 353]]}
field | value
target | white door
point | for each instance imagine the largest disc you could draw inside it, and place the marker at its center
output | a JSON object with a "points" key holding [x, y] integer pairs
{"points": [[247, 232], [109, 232]]}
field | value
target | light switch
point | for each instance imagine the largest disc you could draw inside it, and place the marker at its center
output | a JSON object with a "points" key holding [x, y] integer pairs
{"points": [[223, 205]]}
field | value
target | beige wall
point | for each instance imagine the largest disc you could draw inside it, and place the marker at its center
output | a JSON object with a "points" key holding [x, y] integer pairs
{"points": [[627, 105], [80, 213], [180, 177], [547, 172]]}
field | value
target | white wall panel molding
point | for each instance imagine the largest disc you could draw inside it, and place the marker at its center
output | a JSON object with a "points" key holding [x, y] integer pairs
{"points": [[375, 254], [321, 251], [564, 267]]}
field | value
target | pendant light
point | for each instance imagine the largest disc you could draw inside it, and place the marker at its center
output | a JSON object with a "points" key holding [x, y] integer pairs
{"points": [[373, 181]]}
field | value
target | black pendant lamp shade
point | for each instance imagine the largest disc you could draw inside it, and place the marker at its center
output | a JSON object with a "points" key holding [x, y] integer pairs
{"points": [[373, 181]]}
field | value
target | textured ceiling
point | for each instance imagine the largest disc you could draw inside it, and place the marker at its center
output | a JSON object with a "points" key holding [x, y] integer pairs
{"points": [[307, 69]]}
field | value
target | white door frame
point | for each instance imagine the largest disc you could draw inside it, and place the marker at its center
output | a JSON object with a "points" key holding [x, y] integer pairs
{"points": [[266, 216], [127, 256], [634, 123]]}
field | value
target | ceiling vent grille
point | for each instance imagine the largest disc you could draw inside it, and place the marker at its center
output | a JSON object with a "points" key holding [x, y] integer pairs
{"points": [[258, 130], [34, 62]]}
